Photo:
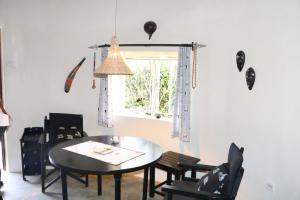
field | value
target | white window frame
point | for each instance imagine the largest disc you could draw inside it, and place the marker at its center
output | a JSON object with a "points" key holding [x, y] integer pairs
{"points": [[155, 90]]}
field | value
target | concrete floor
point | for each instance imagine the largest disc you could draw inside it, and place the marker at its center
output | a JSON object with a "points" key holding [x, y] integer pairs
{"points": [[16, 189]]}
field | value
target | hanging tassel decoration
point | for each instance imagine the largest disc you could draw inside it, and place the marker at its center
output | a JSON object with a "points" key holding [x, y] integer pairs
{"points": [[94, 82]]}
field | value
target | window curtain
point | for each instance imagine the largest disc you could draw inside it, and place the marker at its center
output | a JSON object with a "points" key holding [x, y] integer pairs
{"points": [[181, 116], [105, 112]]}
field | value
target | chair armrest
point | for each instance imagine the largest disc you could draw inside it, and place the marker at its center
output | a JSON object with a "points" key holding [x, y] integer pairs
{"points": [[196, 167], [171, 189]]}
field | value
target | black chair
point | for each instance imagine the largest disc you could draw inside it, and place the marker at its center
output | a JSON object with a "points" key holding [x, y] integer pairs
{"points": [[59, 128], [209, 186]]}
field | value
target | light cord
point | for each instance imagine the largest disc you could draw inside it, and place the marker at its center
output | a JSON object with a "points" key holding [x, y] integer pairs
{"points": [[116, 8]]}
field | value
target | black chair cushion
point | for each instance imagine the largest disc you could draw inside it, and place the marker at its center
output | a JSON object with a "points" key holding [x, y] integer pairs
{"points": [[215, 181], [235, 160]]}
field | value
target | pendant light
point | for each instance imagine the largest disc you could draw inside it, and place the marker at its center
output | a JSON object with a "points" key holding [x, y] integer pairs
{"points": [[114, 64]]}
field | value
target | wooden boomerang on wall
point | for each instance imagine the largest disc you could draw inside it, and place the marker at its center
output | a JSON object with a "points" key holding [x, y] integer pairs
{"points": [[71, 76]]}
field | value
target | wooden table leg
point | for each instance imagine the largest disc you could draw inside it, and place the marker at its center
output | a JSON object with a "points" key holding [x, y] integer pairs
{"points": [[64, 184], [152, 181], [118, 186], [86, 180], [99, 183], [145, 185]]}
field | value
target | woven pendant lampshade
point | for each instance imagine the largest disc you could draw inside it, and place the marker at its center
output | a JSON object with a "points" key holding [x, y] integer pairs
{"points": [[114, 63]]}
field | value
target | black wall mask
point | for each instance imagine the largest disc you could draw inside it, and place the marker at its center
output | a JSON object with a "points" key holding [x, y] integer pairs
{"points": [[240, 60], [250, 77]]}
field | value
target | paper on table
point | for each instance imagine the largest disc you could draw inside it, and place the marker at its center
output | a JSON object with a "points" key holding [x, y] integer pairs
{"points": [[91, 149], [103, 150]]}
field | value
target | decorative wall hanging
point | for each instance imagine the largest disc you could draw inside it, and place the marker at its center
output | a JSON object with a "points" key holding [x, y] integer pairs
{"points": [[250, 77], [150, 28], [240, 60], [71, 76]]}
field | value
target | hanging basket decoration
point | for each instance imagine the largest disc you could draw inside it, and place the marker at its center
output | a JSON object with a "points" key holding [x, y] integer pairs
{"points": [[250, 77], [240, 60], [150, 28]]}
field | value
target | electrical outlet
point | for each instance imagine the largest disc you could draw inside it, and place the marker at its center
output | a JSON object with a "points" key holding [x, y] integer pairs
{"points": [[270, 186]]}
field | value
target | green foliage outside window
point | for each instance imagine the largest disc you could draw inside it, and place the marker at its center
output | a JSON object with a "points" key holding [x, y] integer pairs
{"points": [[139, 86], [165, 92], [138, 89]]}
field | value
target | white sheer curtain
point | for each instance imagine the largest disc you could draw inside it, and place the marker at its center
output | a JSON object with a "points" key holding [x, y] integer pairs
{"points": [[105, 112], [181, 116]]}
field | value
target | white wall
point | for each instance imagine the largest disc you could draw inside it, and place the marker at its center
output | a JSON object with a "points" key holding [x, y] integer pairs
{"points": [[43, 40]]}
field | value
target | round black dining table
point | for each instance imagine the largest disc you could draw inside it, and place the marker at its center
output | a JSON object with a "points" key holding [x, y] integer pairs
{"points": [[68, 161]]}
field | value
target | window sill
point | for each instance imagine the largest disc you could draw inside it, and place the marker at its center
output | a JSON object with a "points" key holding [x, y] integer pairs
{"points": [[141, 116]]}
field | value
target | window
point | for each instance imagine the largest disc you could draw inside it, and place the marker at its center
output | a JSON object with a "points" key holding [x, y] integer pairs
{"points": [[151, 89]]}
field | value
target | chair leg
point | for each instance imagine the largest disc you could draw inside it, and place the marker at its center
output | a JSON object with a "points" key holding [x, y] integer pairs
{"points": [[43, 176], [169, 196], [152, 181], [99, 182], [182, 174], [43, 168], [193, 175], [177, 176], [24, 178], [169, 178]]}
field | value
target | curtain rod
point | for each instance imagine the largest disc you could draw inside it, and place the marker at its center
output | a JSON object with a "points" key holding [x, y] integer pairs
{"points": [[193, 45]]}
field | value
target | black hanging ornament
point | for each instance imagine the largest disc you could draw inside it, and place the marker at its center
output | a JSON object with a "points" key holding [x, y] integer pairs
{"points": [[240, 60], [250, 77], [150, 28]]}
